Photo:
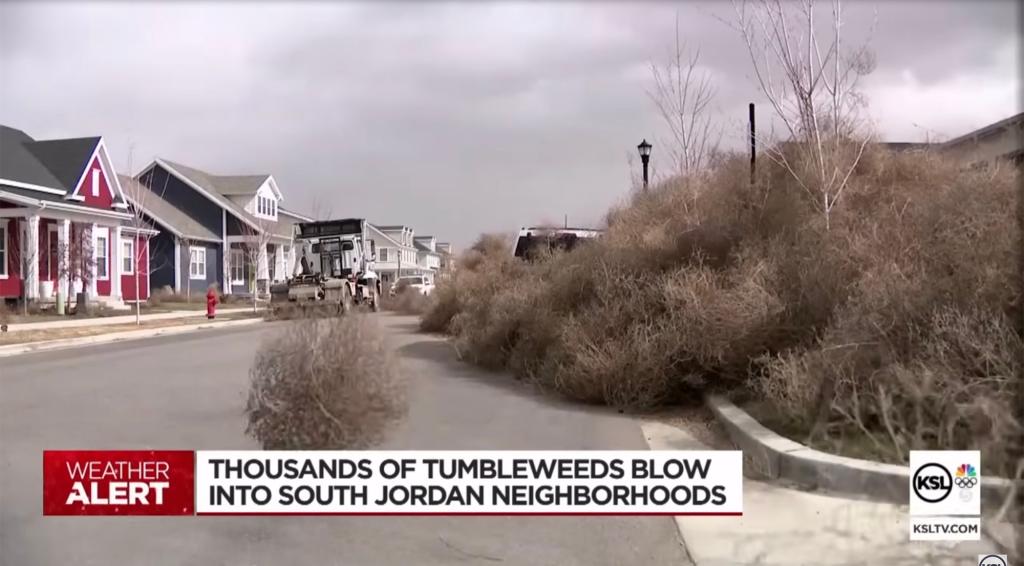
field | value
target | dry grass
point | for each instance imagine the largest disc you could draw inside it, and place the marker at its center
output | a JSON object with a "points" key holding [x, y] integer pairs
{"points": [[900, 322], [324, 384]]}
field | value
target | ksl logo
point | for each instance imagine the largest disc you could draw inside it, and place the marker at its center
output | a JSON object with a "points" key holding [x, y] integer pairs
{"points": [[935, 474], [992, 560], [932, 482]]}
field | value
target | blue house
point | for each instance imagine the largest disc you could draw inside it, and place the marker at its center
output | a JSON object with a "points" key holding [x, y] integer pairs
{"points": [[225, 229]]}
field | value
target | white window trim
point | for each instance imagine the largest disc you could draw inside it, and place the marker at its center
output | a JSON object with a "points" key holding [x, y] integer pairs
{"points": [[4, 227], [231, 269], [193, 255], [105, 234], [130, 256], [96, 182]]}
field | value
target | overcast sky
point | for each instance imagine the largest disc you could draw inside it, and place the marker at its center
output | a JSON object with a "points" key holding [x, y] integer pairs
{"points": [[451, 118]]}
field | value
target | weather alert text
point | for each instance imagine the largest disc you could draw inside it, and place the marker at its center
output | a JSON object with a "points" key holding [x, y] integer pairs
{"points": [[118, 482]]}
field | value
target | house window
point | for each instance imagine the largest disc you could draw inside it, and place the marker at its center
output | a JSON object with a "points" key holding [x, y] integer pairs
{"points": [[95, 182], [102, 253], [197, 262], [127, 257], [383, 254], [3, 250], [237, 267]]}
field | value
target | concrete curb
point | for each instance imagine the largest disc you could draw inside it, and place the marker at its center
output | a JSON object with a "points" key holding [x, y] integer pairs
{"points": [[770, 456], [30, 347]]}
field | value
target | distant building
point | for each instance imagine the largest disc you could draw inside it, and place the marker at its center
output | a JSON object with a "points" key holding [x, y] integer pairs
{"points": [[396, 251], [447, 259], [999, 141], [1003, 140]]}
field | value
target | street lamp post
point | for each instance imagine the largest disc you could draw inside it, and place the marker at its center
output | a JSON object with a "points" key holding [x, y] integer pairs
{"points": [[645, 157]]}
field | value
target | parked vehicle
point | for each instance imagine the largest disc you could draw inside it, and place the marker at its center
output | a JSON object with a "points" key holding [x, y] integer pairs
{"points": [[419, 283], [532, 241], [335, 267]]}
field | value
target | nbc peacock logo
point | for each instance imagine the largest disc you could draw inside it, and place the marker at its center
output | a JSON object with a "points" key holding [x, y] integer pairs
{"points": [[966, 478]]}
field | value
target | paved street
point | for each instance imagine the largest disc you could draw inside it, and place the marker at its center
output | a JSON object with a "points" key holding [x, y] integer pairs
{"points": [[187, 392]]}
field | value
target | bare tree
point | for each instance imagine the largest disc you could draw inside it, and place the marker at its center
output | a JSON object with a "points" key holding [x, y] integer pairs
{"points": [[683, 94], [809, 77], [187, 243], [138, 194], [256, 236], [24, 259], [75, 261]]}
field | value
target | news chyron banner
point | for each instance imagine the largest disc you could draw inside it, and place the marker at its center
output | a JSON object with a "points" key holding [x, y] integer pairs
{"points": [[393, 483]]}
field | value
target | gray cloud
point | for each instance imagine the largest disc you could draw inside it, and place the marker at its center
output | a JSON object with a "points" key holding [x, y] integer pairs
{"points": [[453, 118]]}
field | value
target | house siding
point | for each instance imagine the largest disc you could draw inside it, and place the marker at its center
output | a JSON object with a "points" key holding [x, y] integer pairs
{"points": [[213, 267], [142, 269], [102, 199], [10, 287], [103, 285], [183, 197], [161, 260]]}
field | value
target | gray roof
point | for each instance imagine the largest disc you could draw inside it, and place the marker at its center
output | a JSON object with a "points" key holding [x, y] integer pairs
{"points": [[222, 184], [217, 184], [57, 164], [992, 128], [299, 215], [423, 248], [166, 214]]}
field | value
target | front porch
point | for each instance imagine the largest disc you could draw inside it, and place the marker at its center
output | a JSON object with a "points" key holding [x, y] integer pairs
{"points": [[46, 254], [252, 265]]}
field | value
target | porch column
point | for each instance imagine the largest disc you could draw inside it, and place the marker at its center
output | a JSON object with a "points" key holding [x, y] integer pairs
{"points": [[92, 260], [63, 256], [116, 263], [177, 265], [31, 244], [279, 268], [226, 265], [262, 271]]}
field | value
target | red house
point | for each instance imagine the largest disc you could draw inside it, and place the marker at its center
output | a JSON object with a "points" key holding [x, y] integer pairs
{"points": [[65, 226]]}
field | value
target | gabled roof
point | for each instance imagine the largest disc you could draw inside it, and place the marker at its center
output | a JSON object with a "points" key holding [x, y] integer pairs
{"points": [[173, 219], [50, 164], [66, 159], [221, 184], [292, 213], [206, 184], [422, 248], [391, 240], [993, 128]]}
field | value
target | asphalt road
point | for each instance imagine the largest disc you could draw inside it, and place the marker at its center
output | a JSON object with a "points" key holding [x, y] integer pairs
{"points": [[188, 392]]}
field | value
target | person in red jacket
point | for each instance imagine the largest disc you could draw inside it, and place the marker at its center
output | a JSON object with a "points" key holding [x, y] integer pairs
{"points": [[211, 302]]}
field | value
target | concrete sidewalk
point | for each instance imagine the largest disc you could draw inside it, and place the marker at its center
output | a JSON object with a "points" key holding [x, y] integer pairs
{"points": [[74, 322], [60, 344], [786, 526]]}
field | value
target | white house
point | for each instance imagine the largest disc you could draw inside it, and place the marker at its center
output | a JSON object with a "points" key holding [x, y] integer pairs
{"points": [[396, 252], [427, 256]]}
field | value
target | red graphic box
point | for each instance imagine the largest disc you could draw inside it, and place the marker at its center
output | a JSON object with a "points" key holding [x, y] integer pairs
{"points": [[118, 482]]}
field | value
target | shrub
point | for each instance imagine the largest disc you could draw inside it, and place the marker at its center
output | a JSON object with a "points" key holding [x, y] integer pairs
{"points": [[901, 319], [324, 384], [407, 301]]}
